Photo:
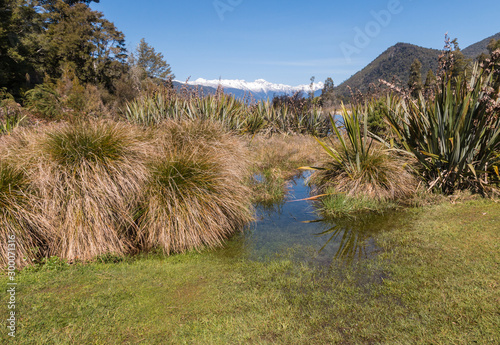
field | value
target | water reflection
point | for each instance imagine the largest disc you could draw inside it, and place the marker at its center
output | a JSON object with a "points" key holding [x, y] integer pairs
{"points": [[352, 239], [293, 229]]}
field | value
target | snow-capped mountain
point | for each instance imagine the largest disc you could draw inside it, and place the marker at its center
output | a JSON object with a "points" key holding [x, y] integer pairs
{"points": [[260, 89]]}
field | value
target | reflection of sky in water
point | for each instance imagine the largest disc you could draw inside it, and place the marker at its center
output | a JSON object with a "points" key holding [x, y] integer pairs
{"points": [[282, 231]]}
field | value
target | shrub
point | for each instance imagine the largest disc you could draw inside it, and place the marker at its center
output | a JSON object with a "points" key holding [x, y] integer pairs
{"points": [[44, 101], [11, 115]]}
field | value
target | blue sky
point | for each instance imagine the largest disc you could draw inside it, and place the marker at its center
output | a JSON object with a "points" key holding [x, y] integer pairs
{"points": [[289, 41]]}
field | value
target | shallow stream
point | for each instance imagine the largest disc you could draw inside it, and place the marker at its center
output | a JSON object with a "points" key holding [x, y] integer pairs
{"points": [[293, 229]]}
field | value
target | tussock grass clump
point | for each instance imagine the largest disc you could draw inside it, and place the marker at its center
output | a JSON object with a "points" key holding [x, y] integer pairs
{"points": [[380, 175], [284, 153], [95, 176], [89, 176], [19, 221], [91, 189], [195, 196]]}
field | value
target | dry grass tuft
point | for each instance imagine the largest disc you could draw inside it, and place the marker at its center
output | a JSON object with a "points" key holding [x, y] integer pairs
{"points": [[195, 196], [283, 153], [78, 191], [19, 221], [89, 176], [276, 160]]}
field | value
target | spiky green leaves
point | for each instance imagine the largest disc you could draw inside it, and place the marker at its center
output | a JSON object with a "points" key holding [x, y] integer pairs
{"points": [[454, 136]]}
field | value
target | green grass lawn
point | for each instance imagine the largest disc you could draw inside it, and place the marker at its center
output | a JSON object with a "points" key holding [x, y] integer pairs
{"points": [[437, 280]]}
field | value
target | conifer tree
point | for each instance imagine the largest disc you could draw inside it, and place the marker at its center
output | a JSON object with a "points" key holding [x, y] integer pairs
{"points": [[430, 80], [153, 63], [327, 94], [415, 80]]}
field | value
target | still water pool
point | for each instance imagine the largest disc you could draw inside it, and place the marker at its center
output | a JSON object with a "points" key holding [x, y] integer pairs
{"points": [[293, 229]]}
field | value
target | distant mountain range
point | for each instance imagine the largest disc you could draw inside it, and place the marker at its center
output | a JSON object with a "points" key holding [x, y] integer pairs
{"points": [[258, 90], [392, 64]]}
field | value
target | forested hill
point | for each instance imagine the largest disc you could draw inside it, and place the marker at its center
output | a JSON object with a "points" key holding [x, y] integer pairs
{"points": [[476, 49], [394, 62]]}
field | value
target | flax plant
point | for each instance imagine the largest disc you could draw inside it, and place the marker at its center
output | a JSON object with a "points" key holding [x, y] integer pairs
{"points": [[456, 135], [356, 165]]}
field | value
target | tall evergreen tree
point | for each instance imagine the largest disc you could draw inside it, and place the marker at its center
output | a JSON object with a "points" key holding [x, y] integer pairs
{"points": [[20, 30], [77, 36], [430, 80], [153, 63], [415, 80], [327, 94]]}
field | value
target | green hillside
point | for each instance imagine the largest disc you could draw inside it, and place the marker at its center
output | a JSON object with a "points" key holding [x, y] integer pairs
{"points": [[394, 62], [480, 47]]}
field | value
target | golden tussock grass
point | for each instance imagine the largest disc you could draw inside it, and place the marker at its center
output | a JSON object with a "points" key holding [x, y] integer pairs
{"points": [[88, 175], [195, 195], [81, 190]]}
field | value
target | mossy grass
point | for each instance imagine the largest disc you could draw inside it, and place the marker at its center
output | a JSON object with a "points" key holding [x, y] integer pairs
{"points": [[436, 281], [337, 205]]}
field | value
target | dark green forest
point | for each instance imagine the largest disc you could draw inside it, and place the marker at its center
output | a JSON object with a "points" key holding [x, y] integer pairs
{"points": [[65, 52]]}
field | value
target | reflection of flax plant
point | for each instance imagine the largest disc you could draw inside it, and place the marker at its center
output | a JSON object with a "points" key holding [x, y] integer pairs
{"points": [[352, 243]]}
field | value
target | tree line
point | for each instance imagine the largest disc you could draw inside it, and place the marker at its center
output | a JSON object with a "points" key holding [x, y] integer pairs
{"points": [[43, 41]]}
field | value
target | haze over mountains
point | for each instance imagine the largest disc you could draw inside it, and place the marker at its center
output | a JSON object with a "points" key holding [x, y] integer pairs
{"points": [[392, 64]]}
